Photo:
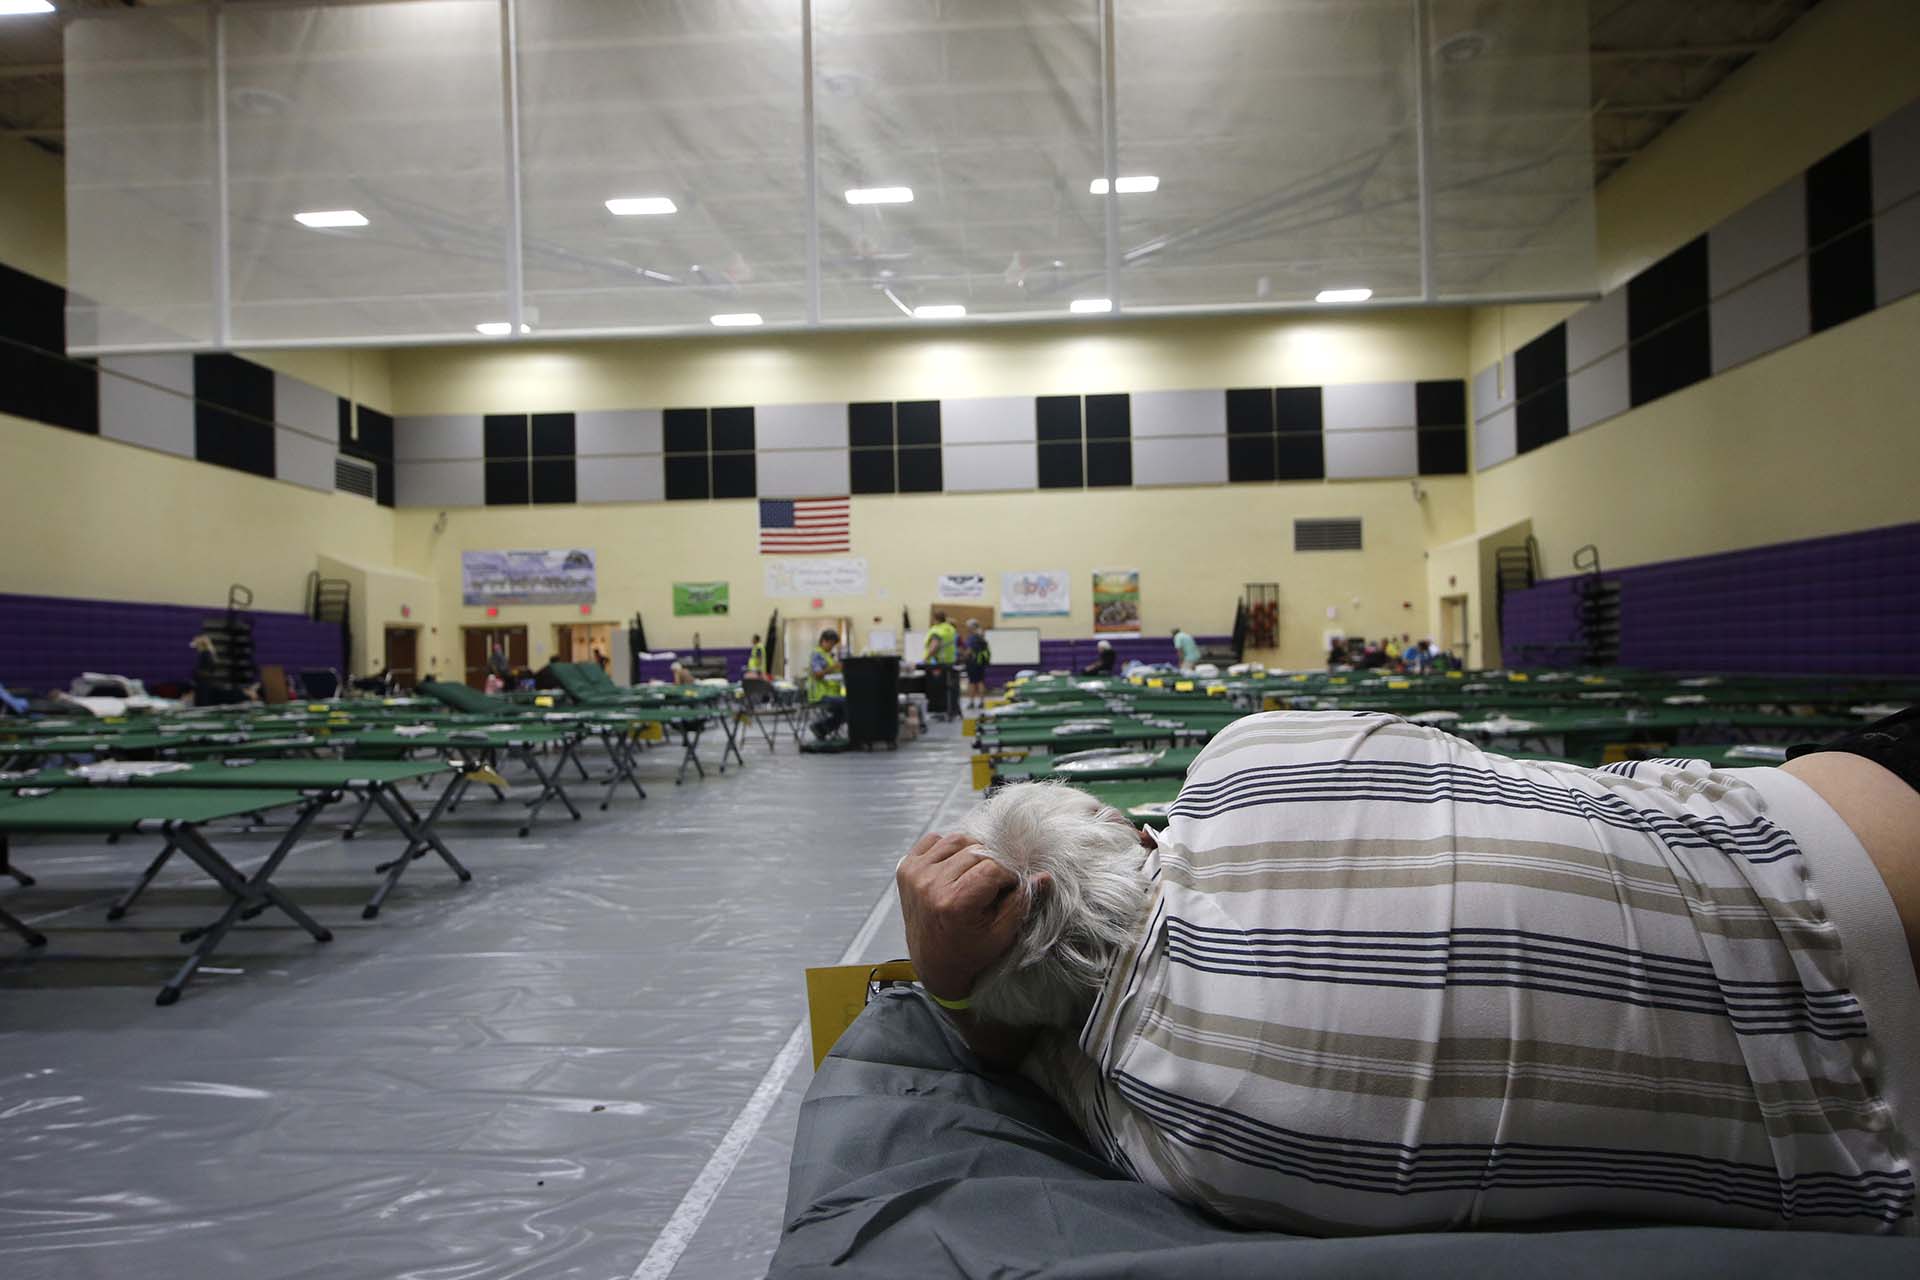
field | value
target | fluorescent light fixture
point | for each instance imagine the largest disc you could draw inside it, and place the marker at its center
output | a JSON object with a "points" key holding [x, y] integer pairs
{"points": [[1343, 295], [501, 328], [636, 206], [1125, 186], [880, 195], [736, 320], [21, 8], [940, 311], [1090, 306], [332, 218]]}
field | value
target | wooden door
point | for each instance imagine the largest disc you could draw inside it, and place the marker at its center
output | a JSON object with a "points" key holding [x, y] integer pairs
{"points": [[402, 658], [475, 641], [516, 642], [1453, 628]]}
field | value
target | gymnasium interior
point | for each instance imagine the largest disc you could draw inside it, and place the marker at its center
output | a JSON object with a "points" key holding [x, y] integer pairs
{"points": [[506, 503]]}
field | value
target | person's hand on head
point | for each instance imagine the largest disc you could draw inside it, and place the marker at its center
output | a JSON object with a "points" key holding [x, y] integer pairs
{"points": [[962, 910]]}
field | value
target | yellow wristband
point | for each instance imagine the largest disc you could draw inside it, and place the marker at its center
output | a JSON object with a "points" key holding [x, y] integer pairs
{"points": [[960, 1004]]}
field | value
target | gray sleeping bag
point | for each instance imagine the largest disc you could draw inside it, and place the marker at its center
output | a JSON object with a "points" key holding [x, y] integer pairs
{"points": [[913, 1161]]}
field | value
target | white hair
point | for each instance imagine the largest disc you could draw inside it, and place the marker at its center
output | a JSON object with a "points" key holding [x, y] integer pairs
{"points": [[1075, 927]]}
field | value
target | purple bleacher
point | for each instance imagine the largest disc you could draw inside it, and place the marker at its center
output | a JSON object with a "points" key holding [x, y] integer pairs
{"points": [[45, 641], [1055, 655], [1845, 605]]}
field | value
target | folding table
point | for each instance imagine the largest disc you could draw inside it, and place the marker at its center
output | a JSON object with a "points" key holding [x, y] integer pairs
{"points": [[179, 815]]}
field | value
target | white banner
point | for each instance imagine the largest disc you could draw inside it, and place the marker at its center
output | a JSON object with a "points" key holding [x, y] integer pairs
{"points": [[846, 577], [1037, 593], [527, 577], [961, 586]]}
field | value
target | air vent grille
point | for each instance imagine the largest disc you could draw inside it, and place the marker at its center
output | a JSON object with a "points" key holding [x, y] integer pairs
{"points": [[1339, 534]]}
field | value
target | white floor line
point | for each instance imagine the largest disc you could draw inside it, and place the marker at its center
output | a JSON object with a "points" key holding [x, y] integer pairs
{"points": [[674, 1238]]}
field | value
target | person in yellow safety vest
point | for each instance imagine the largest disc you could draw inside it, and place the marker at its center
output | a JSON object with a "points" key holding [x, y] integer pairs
{"points": [[978, 655], [823, 692], [757, 659], [941, 652]]}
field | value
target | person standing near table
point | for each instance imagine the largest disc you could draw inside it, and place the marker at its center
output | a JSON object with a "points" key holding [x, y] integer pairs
{"points": [[978, 655], [1187, 647], [939, 658], [757, 659], [822, 691]]}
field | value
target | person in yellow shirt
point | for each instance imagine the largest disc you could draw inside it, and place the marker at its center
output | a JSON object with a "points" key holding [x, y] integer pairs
{"points": [[757, 659], [824, 688], [939, 658]]}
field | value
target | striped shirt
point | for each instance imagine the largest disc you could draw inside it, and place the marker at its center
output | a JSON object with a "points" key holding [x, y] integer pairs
{"points": [[1390, 982]]}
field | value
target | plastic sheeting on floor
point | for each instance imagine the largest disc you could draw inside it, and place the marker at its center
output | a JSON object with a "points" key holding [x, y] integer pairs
{"points": [[517, 1077]]}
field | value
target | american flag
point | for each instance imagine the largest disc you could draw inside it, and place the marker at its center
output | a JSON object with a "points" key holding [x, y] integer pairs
{"points": [[805, 526]]}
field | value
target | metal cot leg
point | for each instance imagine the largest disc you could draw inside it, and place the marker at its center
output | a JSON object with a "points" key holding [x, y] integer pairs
{"points": [[420, 838]]}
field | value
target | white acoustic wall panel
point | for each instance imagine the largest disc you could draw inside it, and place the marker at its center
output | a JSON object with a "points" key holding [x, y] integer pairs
{"points": [[440, 484], [1179, 413], [303, 460], [307, 409], [1896, 253], [1597, 329], [1370, 455], [1762, 315], [803, 473], [1598, 392], [1493, 388], [1494, 439], [1896, 157], [1359, 406], [988, 420], [1768, 232], [1180, 459], [148, 401], [800, 426], [438, 437], [620, 479], [979, 468], [604, 431]]}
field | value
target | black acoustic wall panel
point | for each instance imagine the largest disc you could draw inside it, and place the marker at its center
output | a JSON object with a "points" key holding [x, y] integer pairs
{"points": [[1296, 408], [919, 466], [871, 470], [1840, 279], [684, 430], [733, 474], [1443, 451], [1444, 403], [870, 426], [1252, 459], [916, 422], [731, 430], [1057, 418], [553, 480], [552, 435], [1840, 191], [233, 414], [37, 380], [1537, 365], [507, 482], [1250, 411], [1673, 287], [505, 435], [1109, 417], [1109, 464], [1541, 418], [1060, 464], [1300, 456], [1676, 357], [687, 477]]}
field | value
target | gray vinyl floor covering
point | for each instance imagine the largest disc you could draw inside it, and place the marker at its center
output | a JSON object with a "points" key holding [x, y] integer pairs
{"points": [[517, 1077]]}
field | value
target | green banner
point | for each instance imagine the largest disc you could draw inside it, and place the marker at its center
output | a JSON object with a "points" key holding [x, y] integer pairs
{"points": [[699, 599]]}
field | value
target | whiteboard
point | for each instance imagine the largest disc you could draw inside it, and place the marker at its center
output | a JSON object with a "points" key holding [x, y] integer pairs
{"points": [[1012, 646]]}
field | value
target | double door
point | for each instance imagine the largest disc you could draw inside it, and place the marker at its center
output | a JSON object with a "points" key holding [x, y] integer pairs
{"points": [[479, 643]]}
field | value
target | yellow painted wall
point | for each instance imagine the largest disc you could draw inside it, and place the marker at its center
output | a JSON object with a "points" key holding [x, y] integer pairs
{"points": [[1814, 439], [378, 597], [1468, 567], [1194, 547], [81, 516]]}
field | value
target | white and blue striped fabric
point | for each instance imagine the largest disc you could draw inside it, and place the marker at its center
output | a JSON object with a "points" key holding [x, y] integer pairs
{"points": [[1391, 983]]}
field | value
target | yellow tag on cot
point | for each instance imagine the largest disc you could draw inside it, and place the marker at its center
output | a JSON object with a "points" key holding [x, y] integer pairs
{"points": [[1399, 684], [1518, 677], [1183, 686], [544, 700], [1456, 675], [1156, 683]]}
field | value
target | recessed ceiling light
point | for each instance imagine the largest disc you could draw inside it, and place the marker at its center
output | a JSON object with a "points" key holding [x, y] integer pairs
{"points": [[501, 328], [1343, 295], [332, 218], [1125, 186], [940, 311], [736, 320], [1090, 306], [636, 206], [880, 195], [20, 8]]}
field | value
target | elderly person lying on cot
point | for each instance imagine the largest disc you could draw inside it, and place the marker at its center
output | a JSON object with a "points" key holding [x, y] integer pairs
{"points": [[1371, 978]]}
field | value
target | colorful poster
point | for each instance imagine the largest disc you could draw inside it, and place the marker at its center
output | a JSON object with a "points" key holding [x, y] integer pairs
{"points": [[816, 577], [1037, 593], [526, 577], [699, 599], [961, 586], [1116, 600]]}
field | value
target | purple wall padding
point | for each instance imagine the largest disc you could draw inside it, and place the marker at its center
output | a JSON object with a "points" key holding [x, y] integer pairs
{"points": [[1055, 655], [45, 641], [1843, 605]]}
